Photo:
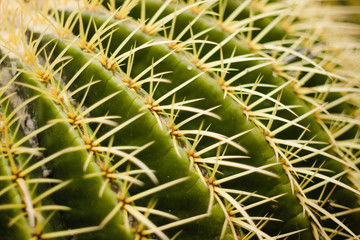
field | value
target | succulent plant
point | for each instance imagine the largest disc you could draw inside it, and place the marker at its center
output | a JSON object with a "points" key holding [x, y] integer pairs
{"points": [[153, 119]]}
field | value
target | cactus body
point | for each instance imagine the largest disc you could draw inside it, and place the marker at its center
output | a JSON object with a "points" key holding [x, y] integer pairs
{"points": [[178, 120]]}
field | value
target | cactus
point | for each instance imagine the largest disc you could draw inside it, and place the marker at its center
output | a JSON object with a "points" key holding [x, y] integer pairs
{"points": [[153, 119]]}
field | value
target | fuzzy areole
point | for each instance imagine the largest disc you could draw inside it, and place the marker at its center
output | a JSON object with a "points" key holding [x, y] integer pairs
{"points": [[154, 119]]}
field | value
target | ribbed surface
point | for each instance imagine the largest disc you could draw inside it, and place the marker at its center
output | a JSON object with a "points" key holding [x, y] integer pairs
{"points": [[195, 120]]}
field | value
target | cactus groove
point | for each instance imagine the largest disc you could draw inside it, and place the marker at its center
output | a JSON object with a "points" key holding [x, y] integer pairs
{"points": [[154, 119]]}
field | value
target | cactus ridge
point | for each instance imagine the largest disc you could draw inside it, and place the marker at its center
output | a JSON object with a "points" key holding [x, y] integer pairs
{"points": [[185, 120]]}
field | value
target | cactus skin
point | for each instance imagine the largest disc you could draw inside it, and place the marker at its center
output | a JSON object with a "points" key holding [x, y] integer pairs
{"points": [[244, 132]]}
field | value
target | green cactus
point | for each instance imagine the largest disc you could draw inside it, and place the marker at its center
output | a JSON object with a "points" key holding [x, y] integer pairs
{"points": [[153, 119]]}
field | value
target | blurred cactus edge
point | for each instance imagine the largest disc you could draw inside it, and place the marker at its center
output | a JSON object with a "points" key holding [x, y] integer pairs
{"points": [[179, 119]]}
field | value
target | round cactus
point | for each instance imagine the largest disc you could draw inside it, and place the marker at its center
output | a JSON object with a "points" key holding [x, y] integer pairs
{"points": [[154, 119]]}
